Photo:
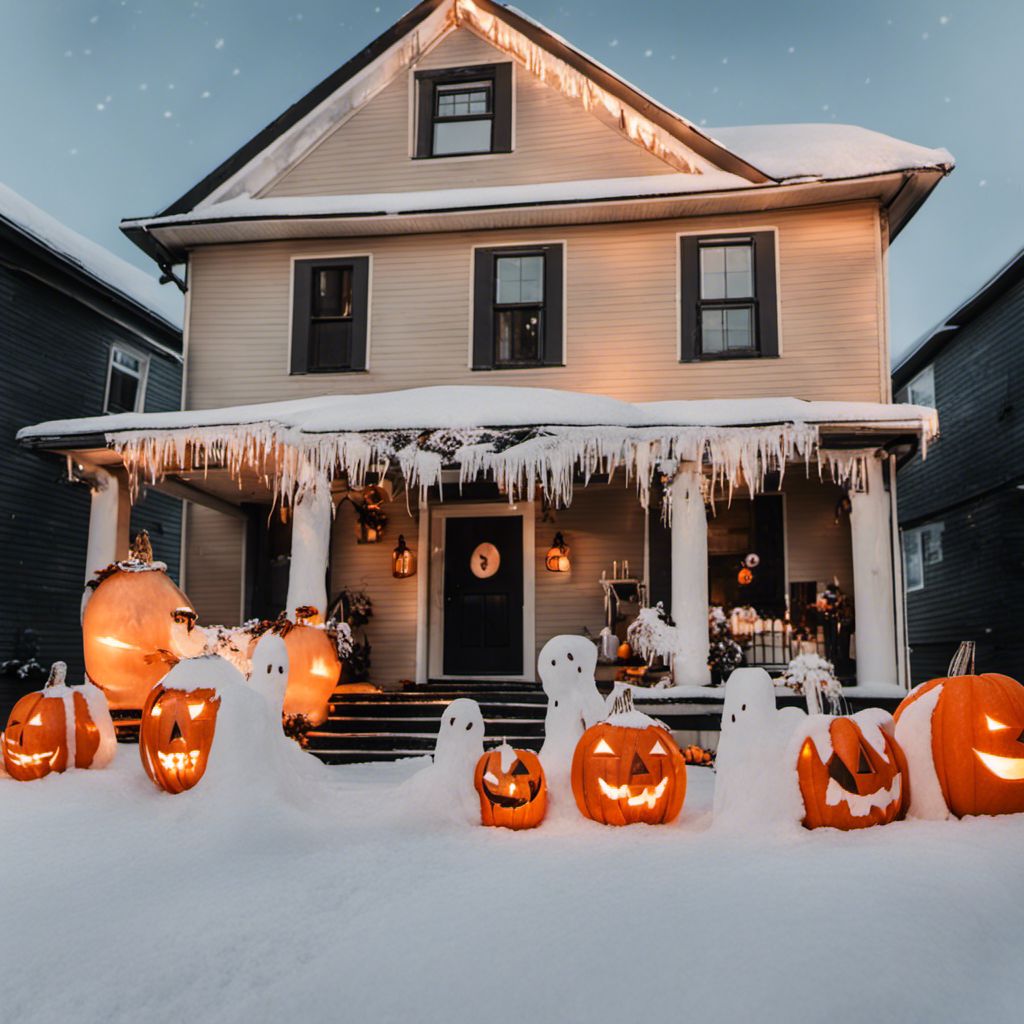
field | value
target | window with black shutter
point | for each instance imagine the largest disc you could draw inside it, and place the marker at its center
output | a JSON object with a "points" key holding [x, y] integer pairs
{"points": [[517, 307], [464, 111], [330, 314], [729, 297]]}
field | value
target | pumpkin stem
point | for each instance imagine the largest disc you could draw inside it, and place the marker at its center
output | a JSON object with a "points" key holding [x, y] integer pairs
{"points": [[622, 700], [58, 673], [963, 661]]}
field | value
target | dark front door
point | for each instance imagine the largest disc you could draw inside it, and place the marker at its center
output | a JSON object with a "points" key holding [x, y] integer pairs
{"points": [[483, 596]]}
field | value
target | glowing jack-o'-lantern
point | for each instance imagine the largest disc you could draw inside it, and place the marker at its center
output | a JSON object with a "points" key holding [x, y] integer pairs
{"points": [[512, 788], [977, 741], [56, 728], [628, 770], [176, 735], [136, 625], [852, 772]]}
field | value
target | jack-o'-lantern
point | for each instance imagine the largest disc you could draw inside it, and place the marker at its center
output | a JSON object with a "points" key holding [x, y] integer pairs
{"points": [[176, 735], [628, 770], [136, 625], [512, 788], [977, 741], [852, 772], [54, 729]]}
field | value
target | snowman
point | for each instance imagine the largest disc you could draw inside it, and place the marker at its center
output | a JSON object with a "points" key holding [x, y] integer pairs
{"points": [[566, 666], [269, 674], [755, 776]]}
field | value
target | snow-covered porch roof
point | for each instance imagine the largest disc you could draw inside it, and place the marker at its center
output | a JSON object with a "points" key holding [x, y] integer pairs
{"points": [[522, 438]]}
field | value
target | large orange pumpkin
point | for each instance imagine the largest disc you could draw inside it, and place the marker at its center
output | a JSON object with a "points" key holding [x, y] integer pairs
{"points": [[977, 741], [628, 770], [136, 624], [51, 730], [512, 788], [314, 669], [863, 779], [176, 735]]}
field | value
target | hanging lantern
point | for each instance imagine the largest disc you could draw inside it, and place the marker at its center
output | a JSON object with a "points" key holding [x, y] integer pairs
{"points": [[744, 577], [557, 559], [370, 523], [403, 560]]}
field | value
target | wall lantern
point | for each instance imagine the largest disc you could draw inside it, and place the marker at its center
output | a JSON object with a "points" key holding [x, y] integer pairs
{"points": [[557, 559], [403, 560]]}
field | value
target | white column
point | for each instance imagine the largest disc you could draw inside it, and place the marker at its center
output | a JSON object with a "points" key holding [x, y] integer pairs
{"points": [[311, 543], [104, 518], [690, 577], [873, 596]]}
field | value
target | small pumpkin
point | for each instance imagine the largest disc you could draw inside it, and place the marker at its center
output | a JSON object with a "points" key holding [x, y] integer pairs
{"points": [[627, 770], [976, 741], [625, 652], [56, 728], [176, 735], [512, 788], [852, 772]]}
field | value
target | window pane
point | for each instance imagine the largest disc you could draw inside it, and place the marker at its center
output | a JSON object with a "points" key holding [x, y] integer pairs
{"points": [[712, 272], [124, 390], [712, 330], [330, 345], [463, 100], [922, 388], [519, 279], [518, 335], [739, 278], [332, 291], [913, 567], [931, 543], [462, 137], [739, 328], [129, 362]]}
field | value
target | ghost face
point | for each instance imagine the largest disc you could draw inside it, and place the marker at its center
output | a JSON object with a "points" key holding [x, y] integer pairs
{"points": [[460, 736], [566, 662], [749, 700], [269, 675]]}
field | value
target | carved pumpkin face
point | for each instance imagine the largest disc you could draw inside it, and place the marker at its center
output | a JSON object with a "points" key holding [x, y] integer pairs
{"points": [[135, 625], [622, 774], [977, 742], [855, 778], [39, 739], [512, 788], [313, 672], [176, 736]]}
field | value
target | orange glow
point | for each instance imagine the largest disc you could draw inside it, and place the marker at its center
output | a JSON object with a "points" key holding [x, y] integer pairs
{"points": [[112, 641], [1011, 769], [993, 725]]}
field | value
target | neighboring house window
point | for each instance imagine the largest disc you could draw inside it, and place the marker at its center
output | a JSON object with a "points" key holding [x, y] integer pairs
{"points": [[728, 292], [517, 307], [922, 547], [126, 380], [330, 314], [921, 390], [464, 111]]}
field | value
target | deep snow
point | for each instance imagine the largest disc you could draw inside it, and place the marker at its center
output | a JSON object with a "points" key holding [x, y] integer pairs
{"points": [[122, 903]]}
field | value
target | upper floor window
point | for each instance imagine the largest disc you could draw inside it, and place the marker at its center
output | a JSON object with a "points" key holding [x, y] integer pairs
{"points": [[126, 380], [728, 295], [921, 390], [922, 546], [464, 111], [517, 307], [330, 314]]}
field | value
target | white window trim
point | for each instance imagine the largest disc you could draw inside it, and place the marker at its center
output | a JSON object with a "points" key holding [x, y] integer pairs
{"points": [[143, 358], [929, 373], [915, 537]]}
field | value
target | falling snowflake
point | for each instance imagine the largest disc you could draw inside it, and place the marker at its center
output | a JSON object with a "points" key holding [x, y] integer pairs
{"points": [[143, 86], [68, 53], [725, 60], [867, 81], [614, 42], [236, 71], [944, 19], [982, 183], [219, 45], [924, 35], [824, 106], [205, 94], [168, 114], [648, 53], [792, 49], [94, 19], [73, 151], [101, 106]]}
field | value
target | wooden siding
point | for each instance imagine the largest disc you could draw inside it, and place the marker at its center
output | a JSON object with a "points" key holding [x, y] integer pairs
{"points": [[621, 314], [554, 140], [817, 547], [214, 560]]}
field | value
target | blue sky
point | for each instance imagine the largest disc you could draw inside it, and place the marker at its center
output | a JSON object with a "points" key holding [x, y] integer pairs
{"points": [[115, 107]]}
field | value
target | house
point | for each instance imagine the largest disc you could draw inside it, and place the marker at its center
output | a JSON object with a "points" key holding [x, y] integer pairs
{"points": [[476, 283], [962, 511], [84, 334]]}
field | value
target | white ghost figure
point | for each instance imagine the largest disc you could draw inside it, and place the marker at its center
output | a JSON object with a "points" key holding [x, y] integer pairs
{"points": [[755, 766], [445, 787], [269, 674], [566, 666]]}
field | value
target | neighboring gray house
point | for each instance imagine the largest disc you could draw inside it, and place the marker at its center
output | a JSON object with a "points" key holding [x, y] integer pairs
{"points": [[961, 510]]}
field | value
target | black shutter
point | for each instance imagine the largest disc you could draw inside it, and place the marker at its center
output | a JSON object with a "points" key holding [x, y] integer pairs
{"points": [[360, 310], [767, 293], [553, 312], [483, 309], [501, 141], [302, 297], [424, 114], [689, 298]]}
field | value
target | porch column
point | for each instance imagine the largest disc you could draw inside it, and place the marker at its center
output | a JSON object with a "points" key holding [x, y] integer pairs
{"points": [[311, 540], [109, 517], [690, 577], [873, 596]]}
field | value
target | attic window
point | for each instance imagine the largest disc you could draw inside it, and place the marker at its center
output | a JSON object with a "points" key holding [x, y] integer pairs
{"points": [[464, 111]]}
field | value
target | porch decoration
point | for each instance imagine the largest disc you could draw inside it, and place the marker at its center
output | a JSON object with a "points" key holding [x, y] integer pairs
{"points": [[852, 772], [744, 577], [137, 623], [512, 788], [485, 561], [628, 769], [557, 558], [176, 735], [964, 737], [370, 517], [403, 560], [57, 728], [814, 677], [724, 654], [702, 757]]}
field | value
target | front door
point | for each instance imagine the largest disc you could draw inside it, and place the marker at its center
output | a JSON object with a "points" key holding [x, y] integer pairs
{"points": [[483, 596]]}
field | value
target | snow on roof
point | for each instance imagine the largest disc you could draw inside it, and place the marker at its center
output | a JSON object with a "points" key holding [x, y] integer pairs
{"points": [[115, 273], [831, 152]]}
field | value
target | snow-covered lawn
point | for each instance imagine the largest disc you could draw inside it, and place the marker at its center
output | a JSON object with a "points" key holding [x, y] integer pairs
{"points": [[121, 903]]}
